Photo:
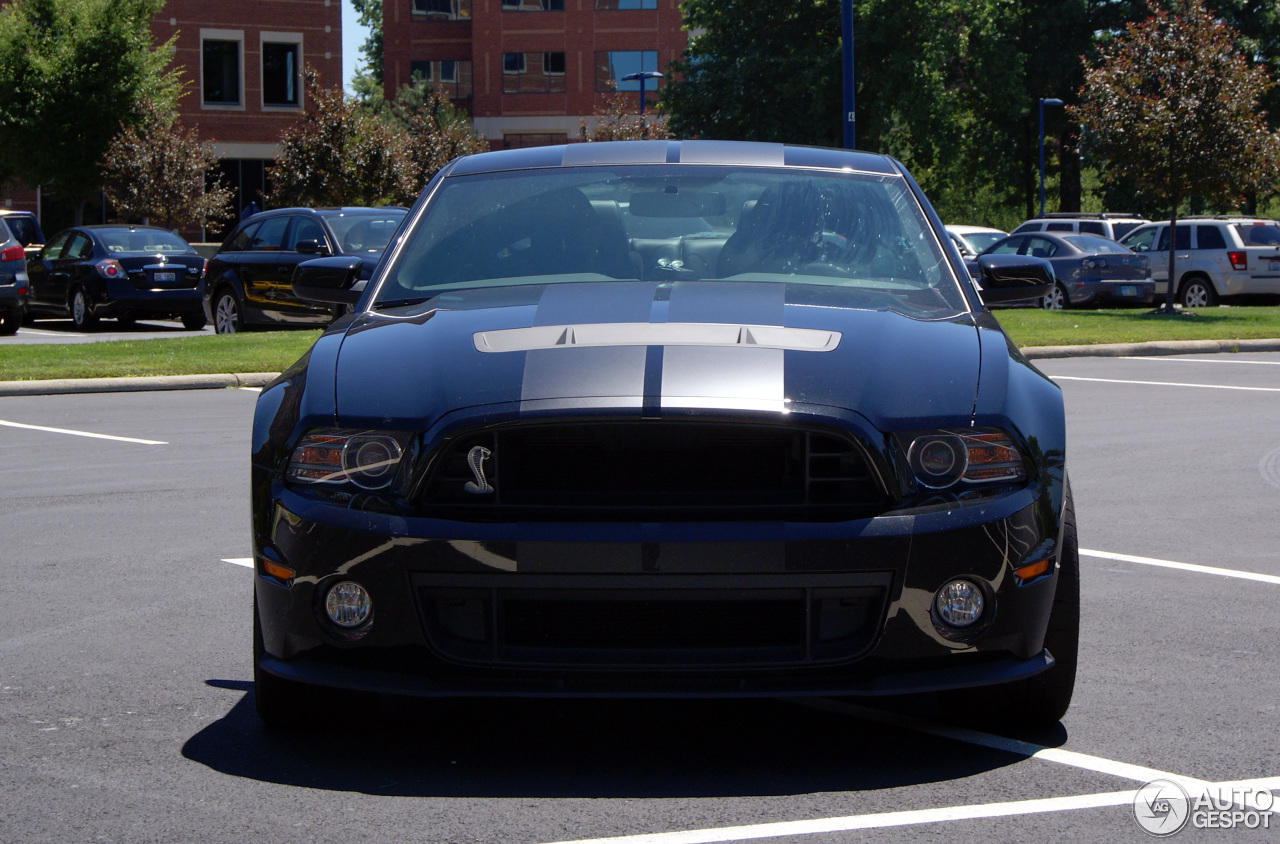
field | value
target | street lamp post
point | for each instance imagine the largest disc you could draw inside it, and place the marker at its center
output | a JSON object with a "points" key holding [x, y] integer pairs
{"points": [[641, 77], [1044, 101]]}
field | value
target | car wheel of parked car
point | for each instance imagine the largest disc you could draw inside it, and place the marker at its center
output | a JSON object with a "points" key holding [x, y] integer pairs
{"points": [[126, 322], [10, 322], [194, 322], [289, 705], [1198, 292], [226, 312], [82, 315], [1042, 700], [1056, 300]]}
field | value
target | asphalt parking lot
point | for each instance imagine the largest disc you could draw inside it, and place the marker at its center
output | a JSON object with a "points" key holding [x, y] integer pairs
{"points": [[126, 690], [62, 331]]}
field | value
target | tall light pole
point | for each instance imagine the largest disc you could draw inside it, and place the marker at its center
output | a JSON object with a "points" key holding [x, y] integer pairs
{"points": [[642, 76], [846, 58], [1044, 101]]}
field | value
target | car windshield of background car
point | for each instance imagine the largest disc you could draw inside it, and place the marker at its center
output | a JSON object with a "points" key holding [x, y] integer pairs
{"points": [[861, 233], [142, 242], [981, 240], [365, 232], [1094, 244]]}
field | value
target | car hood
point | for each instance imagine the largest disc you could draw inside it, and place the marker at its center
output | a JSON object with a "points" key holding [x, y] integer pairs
{"points": [[734, 346]]}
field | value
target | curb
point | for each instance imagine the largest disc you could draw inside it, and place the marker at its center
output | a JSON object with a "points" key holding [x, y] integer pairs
{"points": [[130, 385], [259, 379]]}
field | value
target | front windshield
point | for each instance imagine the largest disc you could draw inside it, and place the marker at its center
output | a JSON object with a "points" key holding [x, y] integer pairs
{"points": [[366, 232], [142, 242], [861, 233]]}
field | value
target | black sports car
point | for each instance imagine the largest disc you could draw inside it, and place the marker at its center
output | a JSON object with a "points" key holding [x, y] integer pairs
{"points": [[666, 418]]}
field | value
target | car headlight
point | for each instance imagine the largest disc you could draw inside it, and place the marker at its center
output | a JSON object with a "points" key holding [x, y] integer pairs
{"points": [[941, 459], [339, 456]]}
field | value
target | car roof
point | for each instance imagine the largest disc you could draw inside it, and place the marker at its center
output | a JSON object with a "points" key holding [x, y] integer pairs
{"points": [[327, 211], [712, 153]]}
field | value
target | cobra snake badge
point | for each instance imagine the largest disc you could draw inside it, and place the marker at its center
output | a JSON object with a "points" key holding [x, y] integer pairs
{"points": [[475, 459]]}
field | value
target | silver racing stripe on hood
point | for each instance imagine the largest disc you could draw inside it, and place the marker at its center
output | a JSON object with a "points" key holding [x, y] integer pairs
{"points": [[691, 344]]}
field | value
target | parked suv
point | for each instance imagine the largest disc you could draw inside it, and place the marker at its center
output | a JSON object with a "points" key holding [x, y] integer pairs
{"points": [[13, 281], [26, 228], [250, 276], [1114, 226], [1225, 255]]}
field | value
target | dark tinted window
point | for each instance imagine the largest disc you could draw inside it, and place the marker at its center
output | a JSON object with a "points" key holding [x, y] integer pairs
{"points": [[1184, 238], [270, 234], [24, 229], [1059, 227], [1008, 247], [280, 74], [1093, 227], [1041, 247], [142, 242], [1119, 230], [79, 246], [1258, 234], [1209, 237], [221, 72], [305, 228], [243, 238]]}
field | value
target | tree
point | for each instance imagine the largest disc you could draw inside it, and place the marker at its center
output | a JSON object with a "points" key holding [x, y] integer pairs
{"points": [[369, 14], [338, 153], [435, 132], [162, 172], [616, 120], [1172, 105], [69, 69]]}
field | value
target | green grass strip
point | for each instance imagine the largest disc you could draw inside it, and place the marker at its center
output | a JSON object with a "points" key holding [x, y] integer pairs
{"points": [[1035, 327]]}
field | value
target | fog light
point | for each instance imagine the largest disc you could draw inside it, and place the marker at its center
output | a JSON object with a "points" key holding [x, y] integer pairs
{"points": [[348, 604], [959, 603]]}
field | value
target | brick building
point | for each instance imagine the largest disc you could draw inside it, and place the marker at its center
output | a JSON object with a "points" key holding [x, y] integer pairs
{"points": [[529, 70], [241, 63]]}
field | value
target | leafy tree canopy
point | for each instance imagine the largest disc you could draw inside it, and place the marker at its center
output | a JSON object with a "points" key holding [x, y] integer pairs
{"points": [[69, 70], [434, 131], [369, 13], [161, 172]]}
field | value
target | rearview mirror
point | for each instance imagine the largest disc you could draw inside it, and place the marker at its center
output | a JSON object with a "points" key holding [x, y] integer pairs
{"points": [[328, 281], [1013, 278]]}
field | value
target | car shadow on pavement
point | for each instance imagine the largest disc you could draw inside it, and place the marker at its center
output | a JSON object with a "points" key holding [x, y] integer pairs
{"points": [[586, 748]]}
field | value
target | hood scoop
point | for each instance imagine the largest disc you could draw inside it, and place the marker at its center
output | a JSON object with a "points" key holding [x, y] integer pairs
{"points": [[656, 334]]}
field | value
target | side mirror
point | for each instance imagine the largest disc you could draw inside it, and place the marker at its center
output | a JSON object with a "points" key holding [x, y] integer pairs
{"points": [[1012, 278], [311, 247], [328, 281]]}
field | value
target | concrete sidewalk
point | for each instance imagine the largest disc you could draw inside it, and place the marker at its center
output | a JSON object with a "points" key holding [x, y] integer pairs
{"points": [[258, 379]]}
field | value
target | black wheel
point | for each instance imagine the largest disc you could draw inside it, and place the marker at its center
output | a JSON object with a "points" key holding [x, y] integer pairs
{"points": [[227, 315], [82, 315], [1057, 299], [194, 321], [9, 322], [288, 705], [1197, 292], [1040, 701]]}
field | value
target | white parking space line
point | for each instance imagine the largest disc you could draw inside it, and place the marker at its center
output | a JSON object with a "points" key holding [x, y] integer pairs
{"points": [[247, 562], [1165, 384], [1180, 359], [81, 433], [40, 333], [1171, 564], [1084, 761]]}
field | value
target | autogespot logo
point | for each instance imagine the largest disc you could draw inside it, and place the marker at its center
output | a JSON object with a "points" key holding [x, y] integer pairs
{"points": [[1163, 807]]}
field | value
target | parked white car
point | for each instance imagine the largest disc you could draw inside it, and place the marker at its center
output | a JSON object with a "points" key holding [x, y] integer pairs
{"points": [[971, 240], [1226, 255], [1112, 225]]}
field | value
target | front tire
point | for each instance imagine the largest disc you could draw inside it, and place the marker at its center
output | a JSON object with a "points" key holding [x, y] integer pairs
{"points": [[1198, 292], [10, 322], [228, 317], [1037, 702], [1057, 299], [194, 322], [82, 315]]}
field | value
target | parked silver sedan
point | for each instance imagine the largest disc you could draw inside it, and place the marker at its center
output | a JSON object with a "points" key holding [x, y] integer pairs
{"points": [[1090, 270]]}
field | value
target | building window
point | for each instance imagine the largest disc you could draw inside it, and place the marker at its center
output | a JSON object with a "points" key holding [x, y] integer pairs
{"points": [[533, 73], [626, 4], [280, 78], [611, 66], [533, 139], [441, 10], [220, 72], [451, 78], [533, 5]]}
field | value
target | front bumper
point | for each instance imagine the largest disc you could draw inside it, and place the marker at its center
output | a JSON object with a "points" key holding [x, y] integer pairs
{"points": [[874, 578]]}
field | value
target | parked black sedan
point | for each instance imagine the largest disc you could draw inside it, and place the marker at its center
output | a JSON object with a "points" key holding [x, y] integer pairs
{"points": [[1090, 269], [777, 446], [250, 276], [121, 271]]}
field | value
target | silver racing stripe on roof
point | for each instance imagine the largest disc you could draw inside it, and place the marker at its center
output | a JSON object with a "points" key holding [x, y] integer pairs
{"points": [[540, 337]]}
